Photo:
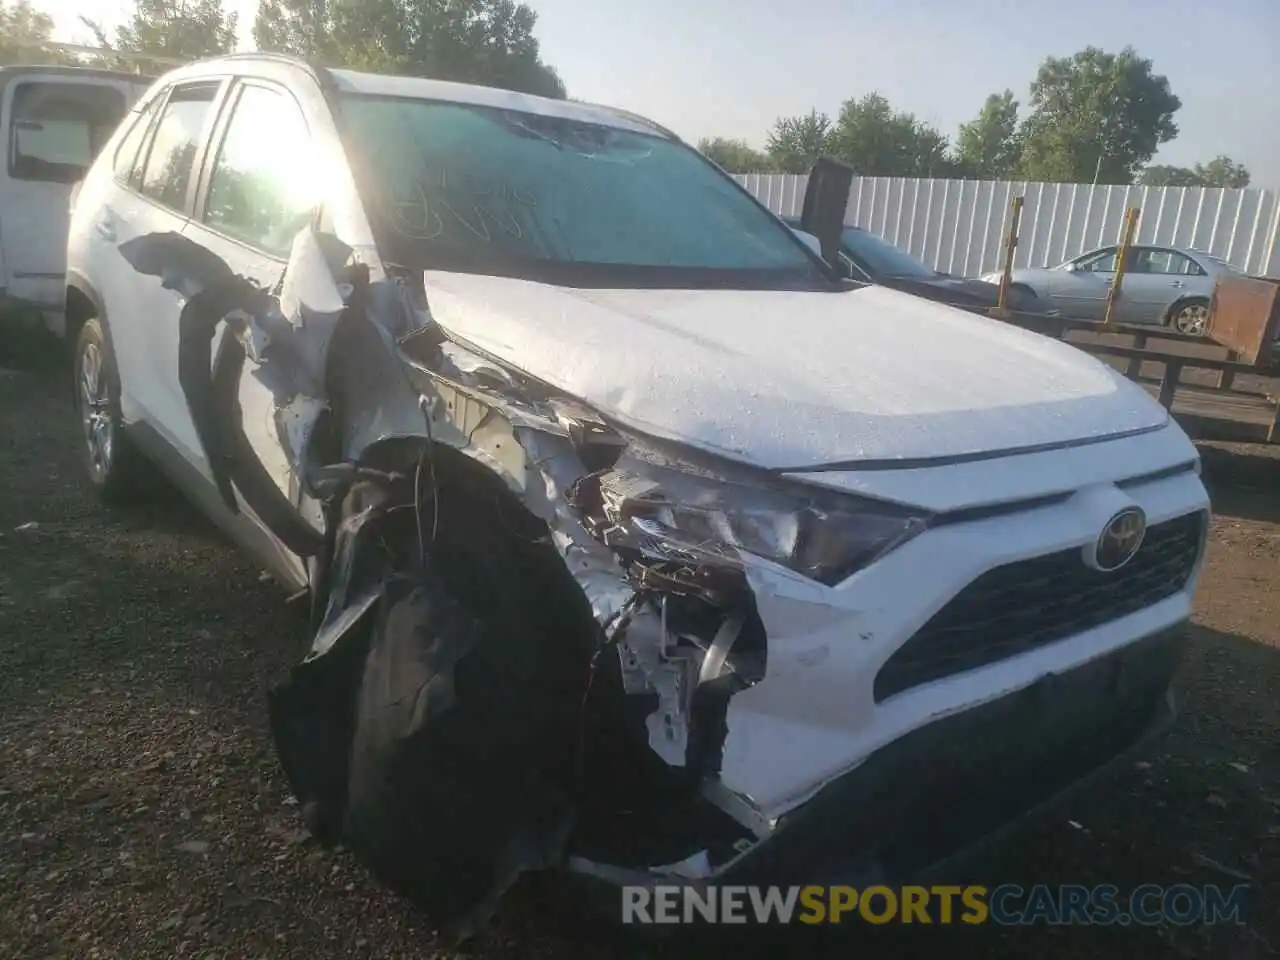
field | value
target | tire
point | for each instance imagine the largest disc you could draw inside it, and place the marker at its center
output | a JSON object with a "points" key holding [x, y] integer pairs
{"points": [[114, 467], [467, 717], [1190, 316]]}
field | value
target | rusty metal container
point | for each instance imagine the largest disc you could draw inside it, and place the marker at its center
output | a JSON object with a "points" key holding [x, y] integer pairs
{"points": [[1244, 316]]}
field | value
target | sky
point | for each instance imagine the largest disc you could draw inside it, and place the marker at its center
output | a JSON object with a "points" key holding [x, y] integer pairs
{"points": [[732, 67]]}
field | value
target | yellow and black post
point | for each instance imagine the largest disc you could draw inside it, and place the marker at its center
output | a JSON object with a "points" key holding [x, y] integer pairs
{"points": [[1122, 258], [1011, 244]]}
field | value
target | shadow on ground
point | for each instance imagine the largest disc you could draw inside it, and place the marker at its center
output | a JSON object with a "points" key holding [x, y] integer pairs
{"points": [[29, 348], [1243, 480]]}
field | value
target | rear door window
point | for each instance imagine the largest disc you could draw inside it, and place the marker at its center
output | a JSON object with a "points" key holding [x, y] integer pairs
{"points": [[126, 167], [57, 128], [1164, 262], [261, 191], [166, 174]]}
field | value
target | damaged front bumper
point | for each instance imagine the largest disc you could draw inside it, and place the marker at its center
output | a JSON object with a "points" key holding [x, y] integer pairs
{"points": [[928, 806]]}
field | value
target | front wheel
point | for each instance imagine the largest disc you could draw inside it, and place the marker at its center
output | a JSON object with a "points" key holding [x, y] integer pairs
{"points": [[1190, 317], [112, 465]]}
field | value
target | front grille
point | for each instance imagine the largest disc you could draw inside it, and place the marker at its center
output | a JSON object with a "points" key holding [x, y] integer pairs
{"points": [[1030, 603]]}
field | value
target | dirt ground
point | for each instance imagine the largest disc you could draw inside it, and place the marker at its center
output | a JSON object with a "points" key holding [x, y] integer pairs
{"points": [[142, 814]]}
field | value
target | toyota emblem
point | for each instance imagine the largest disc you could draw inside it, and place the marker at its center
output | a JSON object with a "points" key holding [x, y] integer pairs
{"points": [[1120, 540]]}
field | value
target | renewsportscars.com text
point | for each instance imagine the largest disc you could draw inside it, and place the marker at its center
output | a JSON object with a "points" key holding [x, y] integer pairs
{"points": [[1007, 905]]}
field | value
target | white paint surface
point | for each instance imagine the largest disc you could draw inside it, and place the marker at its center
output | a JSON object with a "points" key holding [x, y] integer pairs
{"points": [[814, 716], [1024, 477], [793, 379]]}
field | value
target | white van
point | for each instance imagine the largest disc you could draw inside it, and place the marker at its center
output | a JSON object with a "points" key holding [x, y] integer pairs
{"points": [[55, 119]]}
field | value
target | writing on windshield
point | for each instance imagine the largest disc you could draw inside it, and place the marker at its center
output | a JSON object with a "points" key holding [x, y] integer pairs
{"points": [[441, 200], [470, 183]]}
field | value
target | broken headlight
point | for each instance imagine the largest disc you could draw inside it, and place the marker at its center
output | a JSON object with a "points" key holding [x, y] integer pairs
{"points": [[673, 514]]}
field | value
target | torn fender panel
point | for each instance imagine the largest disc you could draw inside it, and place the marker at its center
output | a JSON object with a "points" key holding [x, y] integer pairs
{"points": [[595, 568], [539, 447], [279, 344], [369, 390], [674, 621], [181, 264], [502, 669], [244, 467]]}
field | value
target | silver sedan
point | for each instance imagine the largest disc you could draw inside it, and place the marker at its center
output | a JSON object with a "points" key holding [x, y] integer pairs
{"points": [[1165, 285]]}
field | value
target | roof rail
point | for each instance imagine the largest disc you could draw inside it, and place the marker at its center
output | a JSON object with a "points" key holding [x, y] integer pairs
{"points": [[317, 70], [670, 135], [96, 51], [261, 55]]}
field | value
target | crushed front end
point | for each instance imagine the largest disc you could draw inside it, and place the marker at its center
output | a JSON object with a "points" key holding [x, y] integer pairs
{"points": [[546, 641]]}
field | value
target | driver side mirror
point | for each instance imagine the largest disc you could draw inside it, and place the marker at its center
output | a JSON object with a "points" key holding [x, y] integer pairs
{"points": [[826, 198], [1071, 267]]}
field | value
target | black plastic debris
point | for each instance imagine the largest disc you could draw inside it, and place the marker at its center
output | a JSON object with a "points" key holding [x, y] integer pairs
{"points": [[433, 728]]}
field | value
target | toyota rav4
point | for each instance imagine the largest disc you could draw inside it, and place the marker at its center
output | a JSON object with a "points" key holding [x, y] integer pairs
{"points": [[640, 543]]}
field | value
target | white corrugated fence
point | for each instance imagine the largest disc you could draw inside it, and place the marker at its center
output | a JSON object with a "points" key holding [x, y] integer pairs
{"points": [[959, 226]]}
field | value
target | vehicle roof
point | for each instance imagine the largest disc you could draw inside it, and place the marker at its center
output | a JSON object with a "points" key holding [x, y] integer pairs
{"points": [[1185, 251], [421, 88]]}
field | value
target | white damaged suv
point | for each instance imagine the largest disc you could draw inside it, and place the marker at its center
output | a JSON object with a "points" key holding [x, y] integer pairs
{"points": [[641, 545]]}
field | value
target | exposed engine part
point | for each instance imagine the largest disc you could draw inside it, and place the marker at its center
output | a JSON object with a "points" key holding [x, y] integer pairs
{"points": [[738, 808]]}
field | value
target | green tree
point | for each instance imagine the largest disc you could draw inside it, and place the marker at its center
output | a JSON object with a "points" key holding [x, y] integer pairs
{"points": [[1160, 175], [796, 142], [1222, 171], [881, 142], [473, 41], [170, 29], [989, 147], [184, 29], [1096, 115], [735, 156], [299, 27], [24, 33], [1219, 172]]}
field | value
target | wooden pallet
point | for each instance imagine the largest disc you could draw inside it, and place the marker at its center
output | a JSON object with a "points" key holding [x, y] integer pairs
{"points": [[1206, 385], [1209, 414]]}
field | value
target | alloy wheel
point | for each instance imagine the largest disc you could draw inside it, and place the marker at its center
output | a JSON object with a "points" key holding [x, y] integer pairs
{"points": [[1192, 319], [95, 408]]}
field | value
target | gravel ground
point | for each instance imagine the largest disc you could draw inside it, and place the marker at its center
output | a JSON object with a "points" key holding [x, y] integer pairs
{"points": [[142, 813]]}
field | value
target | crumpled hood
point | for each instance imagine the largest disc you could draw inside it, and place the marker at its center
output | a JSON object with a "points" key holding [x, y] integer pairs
{"points": [[795, 379]]}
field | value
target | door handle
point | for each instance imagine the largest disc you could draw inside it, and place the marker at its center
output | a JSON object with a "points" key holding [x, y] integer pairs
{"points": [[1176, 283], [105, 226]]}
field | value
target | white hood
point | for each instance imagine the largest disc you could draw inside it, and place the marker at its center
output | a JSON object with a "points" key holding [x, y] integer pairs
{"points": [[784, 379]]}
